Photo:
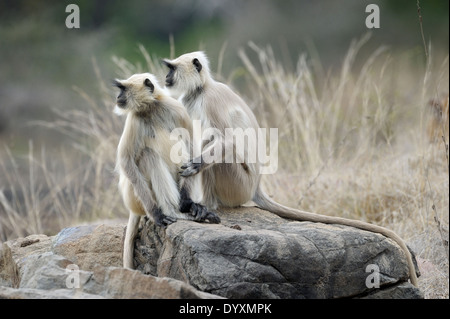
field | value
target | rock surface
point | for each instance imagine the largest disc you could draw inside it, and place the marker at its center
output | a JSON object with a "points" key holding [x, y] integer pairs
{"points": [[251, 254], [80, 262], [255, 254], [91, 245]]}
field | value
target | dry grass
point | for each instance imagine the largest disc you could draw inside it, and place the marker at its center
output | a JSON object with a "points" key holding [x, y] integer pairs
{"points": [[358, 147], [352, 144]]}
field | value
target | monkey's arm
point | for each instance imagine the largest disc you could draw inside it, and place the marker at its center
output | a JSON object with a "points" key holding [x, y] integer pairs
{"points": [[142, 191]]}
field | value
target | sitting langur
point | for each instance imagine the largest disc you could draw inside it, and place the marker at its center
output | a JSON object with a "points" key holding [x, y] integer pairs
{"points": [[233, 184], [148, 178]]}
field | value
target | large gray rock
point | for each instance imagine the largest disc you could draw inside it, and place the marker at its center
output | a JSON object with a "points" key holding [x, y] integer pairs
{"points": [[255, 254], [80, 262], [251, 254]]}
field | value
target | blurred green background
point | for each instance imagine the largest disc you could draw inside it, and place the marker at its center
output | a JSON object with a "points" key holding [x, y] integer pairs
{"points": [[41, 59]]}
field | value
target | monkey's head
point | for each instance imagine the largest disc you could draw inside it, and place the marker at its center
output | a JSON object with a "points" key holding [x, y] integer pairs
{"points": [[137, 93], [187, 73]]}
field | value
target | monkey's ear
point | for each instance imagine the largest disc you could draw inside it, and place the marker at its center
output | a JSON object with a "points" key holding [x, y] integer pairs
{"points": [[197, 64], [149, 84], [168, 64], [118, 84]]}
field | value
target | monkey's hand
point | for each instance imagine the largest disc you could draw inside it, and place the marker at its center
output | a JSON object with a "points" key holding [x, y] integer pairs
{"points": [[201, 214], [162, 220], [190, 168]]}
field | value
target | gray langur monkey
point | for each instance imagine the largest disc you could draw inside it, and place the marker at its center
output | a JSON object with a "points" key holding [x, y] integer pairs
{"points": [[149, 179], [234, 184]]}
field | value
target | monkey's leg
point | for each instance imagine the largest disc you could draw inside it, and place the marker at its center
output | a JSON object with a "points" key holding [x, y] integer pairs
{"points": [[185, 200], [188, 206], [163, 189], [128, 245], [234, 184], [138, 177], [208, 183]]}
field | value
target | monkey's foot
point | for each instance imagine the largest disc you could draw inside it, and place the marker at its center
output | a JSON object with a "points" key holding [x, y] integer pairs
{"points": [[201, 214], [198, 211], [190, 169], [162, 220]]}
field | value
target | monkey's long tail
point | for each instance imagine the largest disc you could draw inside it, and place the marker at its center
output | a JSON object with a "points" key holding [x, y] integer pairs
{"points": [[128, 244], [265, 202]]}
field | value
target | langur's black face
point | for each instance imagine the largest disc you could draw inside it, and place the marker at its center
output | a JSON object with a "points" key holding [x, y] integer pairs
{"points": [[133, 94], [121, 98], [185, 75], [170, 81]]}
